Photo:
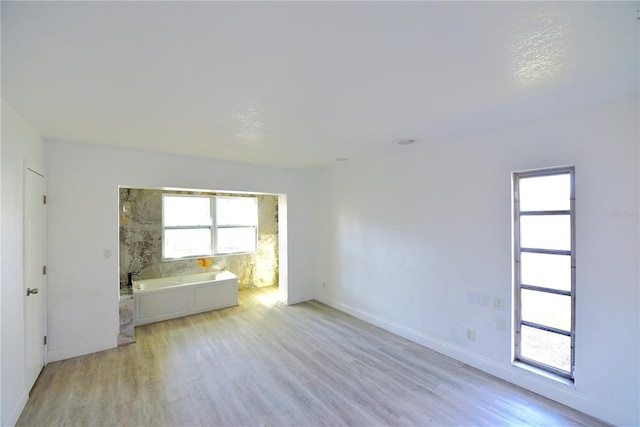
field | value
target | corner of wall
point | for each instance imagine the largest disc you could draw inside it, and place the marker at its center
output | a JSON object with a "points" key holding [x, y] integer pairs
{"points": [[15, 413], [75, 351]]}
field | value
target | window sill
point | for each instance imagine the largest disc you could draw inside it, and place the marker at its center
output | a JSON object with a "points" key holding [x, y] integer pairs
{"points": [[546, 374]]}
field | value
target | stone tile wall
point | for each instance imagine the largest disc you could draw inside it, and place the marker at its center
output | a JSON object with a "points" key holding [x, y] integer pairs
{"points": [[141, 242], [127, 326]]}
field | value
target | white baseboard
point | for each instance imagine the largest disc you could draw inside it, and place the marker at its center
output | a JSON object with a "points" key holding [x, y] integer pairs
{"points": [[15, 413], [297, 299], [69, 352], [562, 393]]}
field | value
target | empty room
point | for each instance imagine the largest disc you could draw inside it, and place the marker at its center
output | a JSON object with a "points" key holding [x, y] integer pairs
{"points": [[320, 213]]}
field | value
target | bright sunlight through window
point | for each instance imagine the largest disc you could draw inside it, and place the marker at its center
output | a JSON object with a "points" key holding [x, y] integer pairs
{"points": [[195, 226], [544, 269]]}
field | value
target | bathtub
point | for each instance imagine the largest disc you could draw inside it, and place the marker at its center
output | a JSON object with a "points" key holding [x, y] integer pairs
{"points": [[171, 297]]}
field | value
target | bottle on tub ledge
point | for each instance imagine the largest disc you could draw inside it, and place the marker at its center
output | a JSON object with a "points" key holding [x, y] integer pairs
{"points": [[130, 277], [206, 265]]}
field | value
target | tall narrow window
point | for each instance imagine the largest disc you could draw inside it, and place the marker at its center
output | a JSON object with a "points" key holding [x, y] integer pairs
{"points": [[544, 269]]}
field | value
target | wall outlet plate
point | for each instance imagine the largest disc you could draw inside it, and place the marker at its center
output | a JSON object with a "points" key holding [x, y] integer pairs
{"points": [[471, 334]]}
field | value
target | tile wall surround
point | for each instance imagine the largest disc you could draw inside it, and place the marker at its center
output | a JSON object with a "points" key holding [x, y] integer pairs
{"points": [[126, 334], [141, 242]]}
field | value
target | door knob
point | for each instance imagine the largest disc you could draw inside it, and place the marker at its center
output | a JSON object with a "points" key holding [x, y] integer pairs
{"points": [[32, 291]]}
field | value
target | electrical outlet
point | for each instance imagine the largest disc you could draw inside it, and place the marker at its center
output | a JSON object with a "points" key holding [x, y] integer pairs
{"points": [[107, 253], [498, 303], [473, 298], [484, 301], [471, 334]]}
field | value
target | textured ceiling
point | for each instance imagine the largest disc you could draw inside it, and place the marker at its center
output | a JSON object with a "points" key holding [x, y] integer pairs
{"points": [[299, 84]]}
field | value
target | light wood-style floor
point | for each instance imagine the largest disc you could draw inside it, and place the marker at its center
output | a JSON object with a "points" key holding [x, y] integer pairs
{"points": [[263, 363]]}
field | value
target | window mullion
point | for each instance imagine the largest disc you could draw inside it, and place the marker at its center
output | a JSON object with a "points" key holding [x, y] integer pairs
{"points": [[214, 227], [545, 328], [546, 251], [538, 213], [185, 227], [543, 289]]}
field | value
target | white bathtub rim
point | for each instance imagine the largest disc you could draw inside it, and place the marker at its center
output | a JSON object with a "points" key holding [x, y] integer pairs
{"points": [[180, 281]]}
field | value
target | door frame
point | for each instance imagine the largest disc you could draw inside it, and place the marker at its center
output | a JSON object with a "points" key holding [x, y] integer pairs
{"points": [[28, 168]]}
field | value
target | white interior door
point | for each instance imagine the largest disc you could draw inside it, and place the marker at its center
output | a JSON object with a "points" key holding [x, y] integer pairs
{"points": [[34, 275]]}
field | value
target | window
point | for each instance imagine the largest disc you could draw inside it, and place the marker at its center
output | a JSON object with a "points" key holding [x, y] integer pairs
{"points": [[544, 269], [198, 226], [236, 224]]}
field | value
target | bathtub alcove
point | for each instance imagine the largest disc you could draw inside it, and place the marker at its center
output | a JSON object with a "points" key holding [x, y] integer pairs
{"points": [[163, 288]]}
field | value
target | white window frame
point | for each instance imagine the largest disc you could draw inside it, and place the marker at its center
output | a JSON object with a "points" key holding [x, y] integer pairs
{"points": [[213, 227], [519, 286], [217, 226]]}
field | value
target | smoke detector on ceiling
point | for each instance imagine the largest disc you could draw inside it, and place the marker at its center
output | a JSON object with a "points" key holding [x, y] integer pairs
{"points": [[403, 141]]}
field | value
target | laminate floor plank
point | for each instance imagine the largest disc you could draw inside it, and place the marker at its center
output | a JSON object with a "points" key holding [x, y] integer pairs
{"points": [[263, 363]]}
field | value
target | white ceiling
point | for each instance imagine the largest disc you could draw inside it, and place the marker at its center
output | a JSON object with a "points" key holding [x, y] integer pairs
{"points": [[299, 84]]}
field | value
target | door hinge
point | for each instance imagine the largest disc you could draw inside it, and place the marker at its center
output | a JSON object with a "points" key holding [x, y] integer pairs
{"points": [[45, 340], [44, 199], [44, 269]]}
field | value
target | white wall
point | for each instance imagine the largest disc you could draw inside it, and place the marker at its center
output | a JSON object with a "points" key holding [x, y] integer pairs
{"points": [[82, 222], [20, 143], [403, 240], [400, 241], [1, 287]]}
